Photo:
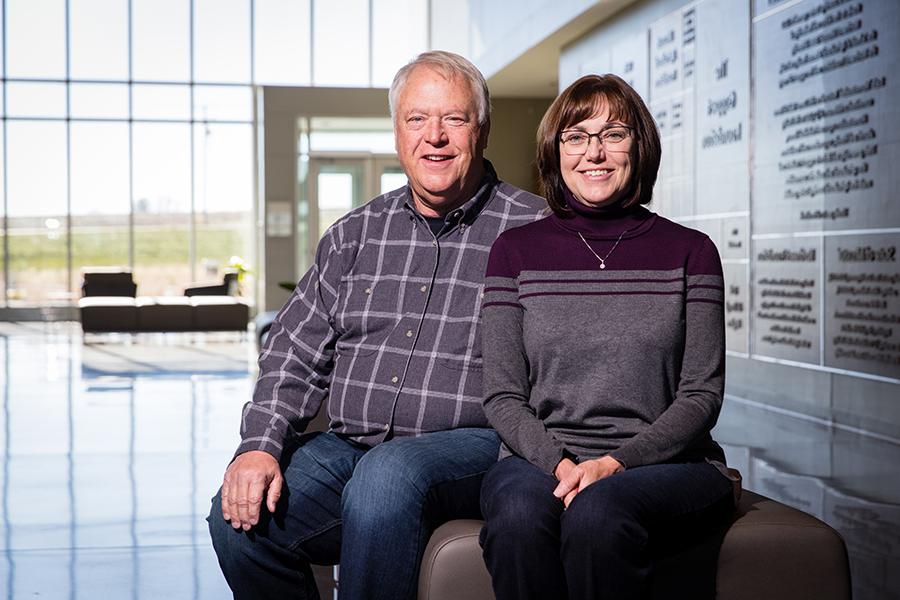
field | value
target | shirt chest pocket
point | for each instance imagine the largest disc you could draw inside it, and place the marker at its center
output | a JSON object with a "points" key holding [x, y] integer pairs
{"points": [[367, 316], [459, 340]]}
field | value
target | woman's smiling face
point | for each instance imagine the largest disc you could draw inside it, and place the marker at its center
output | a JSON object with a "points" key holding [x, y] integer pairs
{"points": [[599, 177]]}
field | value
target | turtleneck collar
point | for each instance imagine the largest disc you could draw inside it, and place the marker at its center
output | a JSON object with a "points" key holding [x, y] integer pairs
{"points": [[607, 222]]}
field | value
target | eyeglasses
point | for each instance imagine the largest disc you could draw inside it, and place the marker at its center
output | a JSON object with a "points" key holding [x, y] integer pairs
{"points": [[575, 142]]}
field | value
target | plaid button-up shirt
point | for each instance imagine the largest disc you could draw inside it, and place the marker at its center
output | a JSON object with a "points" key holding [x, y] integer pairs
{"points": [[386, 324]]}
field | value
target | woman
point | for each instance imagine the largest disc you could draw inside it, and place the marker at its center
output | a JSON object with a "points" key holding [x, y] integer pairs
{"points": [[604, 364]]}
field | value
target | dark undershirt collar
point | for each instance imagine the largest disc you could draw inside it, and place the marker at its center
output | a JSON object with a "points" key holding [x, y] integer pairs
{"points": [[470, 209], [436, 224]]}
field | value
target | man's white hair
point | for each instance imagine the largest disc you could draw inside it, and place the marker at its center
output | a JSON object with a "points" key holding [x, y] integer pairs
{"points": [[449, 65]]}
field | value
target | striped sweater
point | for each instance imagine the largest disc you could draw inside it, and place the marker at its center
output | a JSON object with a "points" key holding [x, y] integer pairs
{"points": [[628, 360]]}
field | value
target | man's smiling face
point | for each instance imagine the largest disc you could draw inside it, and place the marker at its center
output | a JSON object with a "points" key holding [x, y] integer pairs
{"points": [[438, 140]]}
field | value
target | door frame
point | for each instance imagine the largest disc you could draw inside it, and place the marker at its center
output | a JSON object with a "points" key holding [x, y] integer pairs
{"points": [[373, 165]]}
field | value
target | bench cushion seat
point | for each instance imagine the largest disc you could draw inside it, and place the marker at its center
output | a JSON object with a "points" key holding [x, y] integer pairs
{"points": [[165, 313], [105, 314], [769, 550], [220, 313]]}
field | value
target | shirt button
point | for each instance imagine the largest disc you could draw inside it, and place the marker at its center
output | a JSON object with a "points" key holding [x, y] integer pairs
{"points": [[387, 427], [368, 290], [424, 288], [409, 333], [434, 242], [395, 379]]}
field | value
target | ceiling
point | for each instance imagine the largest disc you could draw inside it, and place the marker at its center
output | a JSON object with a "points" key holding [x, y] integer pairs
{"points": [[534, 74]]}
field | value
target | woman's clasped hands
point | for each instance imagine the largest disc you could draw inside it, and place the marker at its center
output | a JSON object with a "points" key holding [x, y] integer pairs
{"points": [[574, 477]]}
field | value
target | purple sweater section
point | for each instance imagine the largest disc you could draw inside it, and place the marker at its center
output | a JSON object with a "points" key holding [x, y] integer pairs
{"points": [[627, 360], [553, 243]]}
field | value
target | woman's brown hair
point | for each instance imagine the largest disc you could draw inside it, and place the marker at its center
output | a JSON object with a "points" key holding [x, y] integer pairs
{"points": [[580, 101]]}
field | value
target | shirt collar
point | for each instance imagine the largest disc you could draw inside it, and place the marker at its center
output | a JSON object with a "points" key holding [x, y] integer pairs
{"points": [[467, 212]]}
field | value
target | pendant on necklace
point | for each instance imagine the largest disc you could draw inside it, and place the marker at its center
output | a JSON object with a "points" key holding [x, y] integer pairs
{"points": [[602, 259]]}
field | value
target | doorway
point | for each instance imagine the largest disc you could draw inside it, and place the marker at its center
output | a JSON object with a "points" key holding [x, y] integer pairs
{"points": [[336, 184]]}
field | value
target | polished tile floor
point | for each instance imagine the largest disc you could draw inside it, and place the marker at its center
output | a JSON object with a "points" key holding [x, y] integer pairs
{"points": [[109, 453], [110, 450]]}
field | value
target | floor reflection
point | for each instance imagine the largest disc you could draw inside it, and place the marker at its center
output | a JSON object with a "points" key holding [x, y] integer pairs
{"points": [[110, 451], [848, 480]]}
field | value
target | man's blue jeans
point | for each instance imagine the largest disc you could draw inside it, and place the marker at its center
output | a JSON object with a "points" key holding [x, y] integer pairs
{"points": [[372, 510]]}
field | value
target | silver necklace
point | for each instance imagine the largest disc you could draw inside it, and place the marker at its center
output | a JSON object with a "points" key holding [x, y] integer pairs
{"points": [[603, 260]]}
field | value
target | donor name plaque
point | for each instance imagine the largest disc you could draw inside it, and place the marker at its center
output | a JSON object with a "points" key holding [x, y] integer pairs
{"points": [[786, 299], [824, 205], [826, 125], [862, 303]]}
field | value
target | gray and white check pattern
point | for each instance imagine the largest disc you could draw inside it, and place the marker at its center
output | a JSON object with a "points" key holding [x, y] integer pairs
{"points": [[386, 324]]}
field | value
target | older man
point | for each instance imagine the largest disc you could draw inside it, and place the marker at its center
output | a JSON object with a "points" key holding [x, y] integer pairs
{"points": [[385, 326]]}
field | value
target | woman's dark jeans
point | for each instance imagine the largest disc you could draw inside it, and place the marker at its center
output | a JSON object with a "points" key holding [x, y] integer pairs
{"points": [[598, 548]]}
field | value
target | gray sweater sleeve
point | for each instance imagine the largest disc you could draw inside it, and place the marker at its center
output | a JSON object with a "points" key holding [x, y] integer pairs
{"points": [[701, 386], [506, 374]]}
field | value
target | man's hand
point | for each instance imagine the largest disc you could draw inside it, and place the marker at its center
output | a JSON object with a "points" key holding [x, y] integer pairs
{"points": [[574, 478], [247, 478]]}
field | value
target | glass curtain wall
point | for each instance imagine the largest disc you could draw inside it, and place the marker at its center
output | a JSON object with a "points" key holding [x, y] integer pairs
{"points": [[126, 136], [126, 143]]}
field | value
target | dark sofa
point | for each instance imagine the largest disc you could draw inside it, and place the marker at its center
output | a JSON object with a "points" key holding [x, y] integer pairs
{"points": [[110, 304]]}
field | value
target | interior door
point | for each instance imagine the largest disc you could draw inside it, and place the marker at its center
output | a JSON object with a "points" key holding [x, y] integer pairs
{"points": [[337, 185]]}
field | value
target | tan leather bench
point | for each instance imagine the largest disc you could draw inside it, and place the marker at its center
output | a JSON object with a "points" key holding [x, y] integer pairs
{"points": [[769, 551]]}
